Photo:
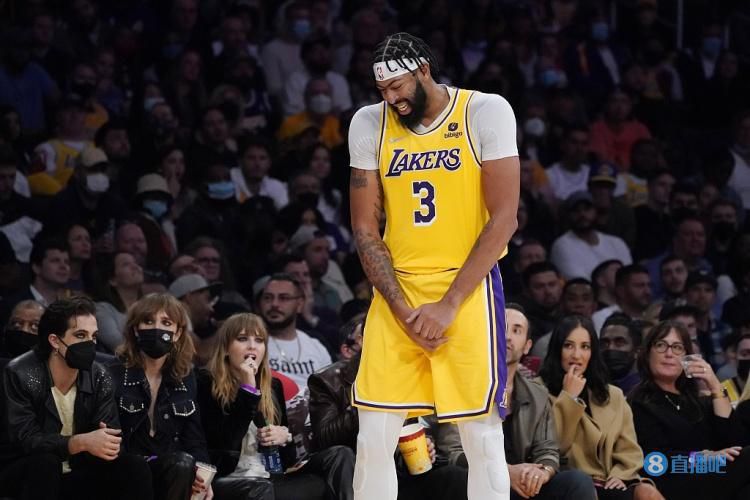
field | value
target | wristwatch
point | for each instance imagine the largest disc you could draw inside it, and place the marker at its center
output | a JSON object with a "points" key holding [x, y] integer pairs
{"points": [[549, 469], [723, 393]]}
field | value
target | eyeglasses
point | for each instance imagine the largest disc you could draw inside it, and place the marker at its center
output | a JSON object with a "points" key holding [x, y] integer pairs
{"points": [[267, 297], [661, 346]]}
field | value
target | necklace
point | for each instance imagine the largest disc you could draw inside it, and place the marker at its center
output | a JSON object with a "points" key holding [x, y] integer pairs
{"points": [[676, 406], [283, 354]]}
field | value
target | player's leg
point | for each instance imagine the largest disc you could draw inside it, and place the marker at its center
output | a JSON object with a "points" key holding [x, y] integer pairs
{"points": [[482, 442], [375, 469]]}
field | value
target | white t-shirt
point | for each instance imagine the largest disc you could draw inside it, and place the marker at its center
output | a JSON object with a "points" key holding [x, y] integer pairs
{"points": [[280, 59], [575, 258], [740, 179], [491, 119], [564, 182], [270, 187], [600, 316], [298, 358]]}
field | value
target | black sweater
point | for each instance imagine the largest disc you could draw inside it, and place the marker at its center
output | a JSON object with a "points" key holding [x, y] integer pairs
{"points": [[225, 429]]}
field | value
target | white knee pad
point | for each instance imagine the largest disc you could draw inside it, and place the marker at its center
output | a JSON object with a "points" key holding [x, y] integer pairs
{"points": [[482, 442], [375, 470]]}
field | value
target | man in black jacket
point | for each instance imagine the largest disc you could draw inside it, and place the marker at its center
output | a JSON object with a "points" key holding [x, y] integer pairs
{"points": [[61, 434], [335, 426]]}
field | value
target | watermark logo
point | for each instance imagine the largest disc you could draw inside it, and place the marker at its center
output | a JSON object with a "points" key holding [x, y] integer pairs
{"points": [[655, 464]]}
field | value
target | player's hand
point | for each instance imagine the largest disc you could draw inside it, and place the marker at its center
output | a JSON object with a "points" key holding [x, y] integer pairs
{"points": [[433, 319], [403, 312], [574, 382]]}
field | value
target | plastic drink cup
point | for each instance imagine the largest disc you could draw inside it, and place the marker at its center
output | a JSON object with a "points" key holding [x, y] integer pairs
{"points": [[685, 361], [206, 472], [412, 443]]}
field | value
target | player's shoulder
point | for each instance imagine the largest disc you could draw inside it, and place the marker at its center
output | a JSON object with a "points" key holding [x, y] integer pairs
{"points": [[483, 100], [368, 114]]}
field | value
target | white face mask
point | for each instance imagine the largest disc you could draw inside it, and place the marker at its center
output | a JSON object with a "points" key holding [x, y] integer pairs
{"points": [[97, 183], [321, 104]]}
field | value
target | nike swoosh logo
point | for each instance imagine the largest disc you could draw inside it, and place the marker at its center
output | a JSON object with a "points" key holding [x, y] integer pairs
{"points": [[396, 139]]}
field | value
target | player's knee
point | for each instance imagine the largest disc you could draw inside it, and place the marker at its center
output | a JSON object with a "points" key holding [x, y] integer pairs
{"points": [[492, 445], [498, 477]]}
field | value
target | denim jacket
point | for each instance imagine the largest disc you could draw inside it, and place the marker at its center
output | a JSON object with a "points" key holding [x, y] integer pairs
{"points": [[177, 421]]}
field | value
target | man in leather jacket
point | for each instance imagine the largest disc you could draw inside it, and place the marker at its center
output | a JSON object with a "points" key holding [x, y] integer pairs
{"points": [[60, 434], [335, 425]]}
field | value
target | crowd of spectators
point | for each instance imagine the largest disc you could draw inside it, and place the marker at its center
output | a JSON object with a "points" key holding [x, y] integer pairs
{"points": [[197, 150]]}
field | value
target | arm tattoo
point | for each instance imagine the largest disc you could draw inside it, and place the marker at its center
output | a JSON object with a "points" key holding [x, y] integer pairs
{"points": [[358, 178], [377, 264], [373, 253]]}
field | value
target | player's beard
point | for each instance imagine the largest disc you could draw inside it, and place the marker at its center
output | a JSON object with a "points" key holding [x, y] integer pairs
{"points": [[418, 104]]}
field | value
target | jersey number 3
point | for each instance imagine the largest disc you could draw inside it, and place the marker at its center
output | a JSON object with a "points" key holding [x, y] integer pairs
{"points": [[426, 194]]}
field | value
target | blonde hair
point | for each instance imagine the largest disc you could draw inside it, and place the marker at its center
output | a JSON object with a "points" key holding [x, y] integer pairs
{"points": [[180, 358], [225, 385]]}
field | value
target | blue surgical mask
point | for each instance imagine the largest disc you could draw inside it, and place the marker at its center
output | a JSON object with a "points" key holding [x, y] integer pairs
{"points": [[549, 78], [600, 31], [157, 208], [220, 190], [712, 46], [301, 28]]}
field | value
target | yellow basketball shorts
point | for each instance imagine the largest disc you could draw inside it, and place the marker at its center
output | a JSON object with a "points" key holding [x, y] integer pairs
{"points": [[460, 380]]}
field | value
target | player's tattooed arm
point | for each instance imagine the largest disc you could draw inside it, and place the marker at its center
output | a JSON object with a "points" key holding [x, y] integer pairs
{"points": [[366, 191]]}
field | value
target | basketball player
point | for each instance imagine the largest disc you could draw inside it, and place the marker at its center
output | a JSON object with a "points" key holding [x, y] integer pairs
{"points": [[442, 164]]}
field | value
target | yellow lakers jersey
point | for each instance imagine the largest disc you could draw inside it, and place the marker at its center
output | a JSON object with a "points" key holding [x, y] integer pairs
{"points": [[434, 204]]}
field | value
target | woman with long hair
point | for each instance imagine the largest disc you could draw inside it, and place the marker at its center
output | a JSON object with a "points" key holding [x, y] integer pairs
{"points": [[672, 418], [243, 413], [593, 421], [155, 391]]}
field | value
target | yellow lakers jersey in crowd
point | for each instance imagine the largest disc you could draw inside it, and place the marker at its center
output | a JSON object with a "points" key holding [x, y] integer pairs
{"points": [[434, 204]]}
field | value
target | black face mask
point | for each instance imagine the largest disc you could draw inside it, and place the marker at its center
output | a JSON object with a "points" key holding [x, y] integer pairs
{"points": [[154, 342], [743, 368], [723, 230], [18, 342], [618, 363], [80, 356]]}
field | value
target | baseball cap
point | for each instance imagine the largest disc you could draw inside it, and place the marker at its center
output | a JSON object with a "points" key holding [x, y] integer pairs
{"points": [[603, 172], [677, 307], [190, 283], [92, 157], [304, 235], [701, 276], [576, 198]]}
